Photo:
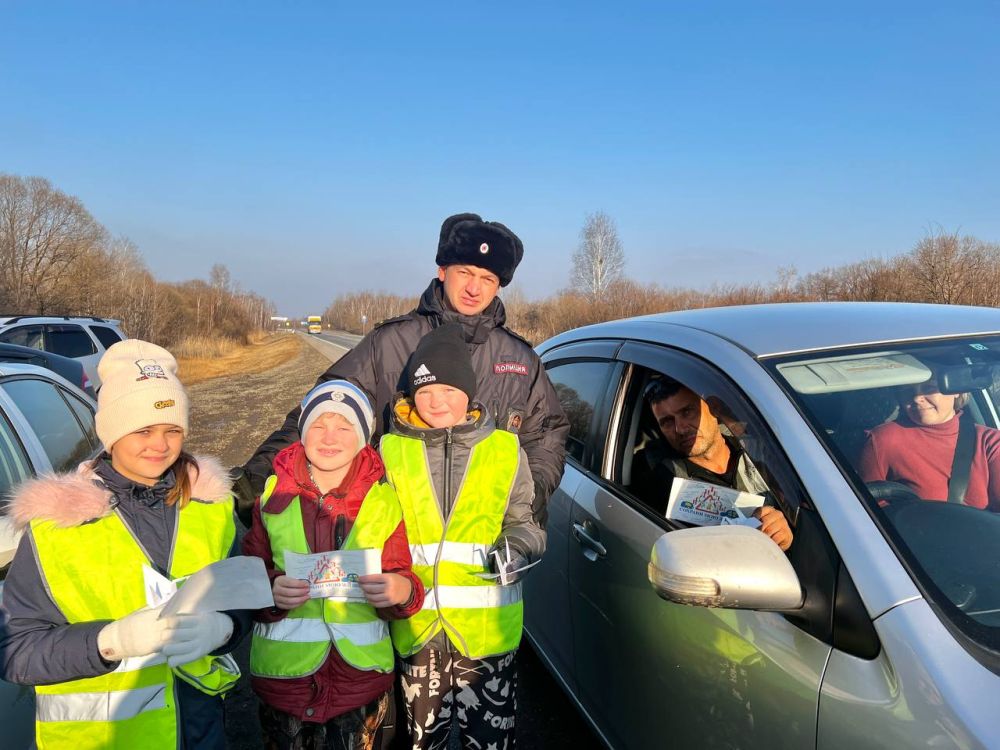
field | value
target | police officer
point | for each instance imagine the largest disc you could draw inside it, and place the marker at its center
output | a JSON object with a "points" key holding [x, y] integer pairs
{"points": [[475, 258]]}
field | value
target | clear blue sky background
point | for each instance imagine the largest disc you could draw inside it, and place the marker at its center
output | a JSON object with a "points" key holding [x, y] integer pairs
{"points": [[315, 147]]}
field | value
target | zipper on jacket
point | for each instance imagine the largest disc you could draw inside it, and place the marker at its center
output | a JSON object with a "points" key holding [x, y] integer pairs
{"points": [[449, 506], [447, 477], [338, 531]]}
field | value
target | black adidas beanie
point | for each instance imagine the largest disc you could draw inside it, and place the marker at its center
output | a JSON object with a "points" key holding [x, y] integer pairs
{"points": [[468, 240], [442, 356]]}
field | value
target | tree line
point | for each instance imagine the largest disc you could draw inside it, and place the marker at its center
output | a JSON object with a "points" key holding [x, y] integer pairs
{"points": [[57, 259], [945, 268]]}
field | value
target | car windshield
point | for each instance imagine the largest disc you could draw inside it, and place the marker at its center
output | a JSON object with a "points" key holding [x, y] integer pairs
{"points": [[915, 428]]}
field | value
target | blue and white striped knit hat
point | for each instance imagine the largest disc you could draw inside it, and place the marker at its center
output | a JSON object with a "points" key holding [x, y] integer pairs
{"points": [[343, 398]]}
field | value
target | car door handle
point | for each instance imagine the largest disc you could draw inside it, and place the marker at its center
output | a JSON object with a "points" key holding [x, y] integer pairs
{"points": [[583, 533]]}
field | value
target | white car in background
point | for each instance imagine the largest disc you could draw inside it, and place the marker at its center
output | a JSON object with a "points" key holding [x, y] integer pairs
{"points": [[82, 338], [46, 424]]}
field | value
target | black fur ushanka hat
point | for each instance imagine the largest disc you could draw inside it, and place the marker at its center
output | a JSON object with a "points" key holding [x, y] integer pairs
{"points": [[468, 240]]}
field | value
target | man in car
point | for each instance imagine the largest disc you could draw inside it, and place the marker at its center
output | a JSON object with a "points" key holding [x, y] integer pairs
{"points": [[697, 448], [474, 258]]}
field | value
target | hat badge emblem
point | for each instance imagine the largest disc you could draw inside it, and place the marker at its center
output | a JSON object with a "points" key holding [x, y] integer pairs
{"points": [[484, 248], [337, 396]]}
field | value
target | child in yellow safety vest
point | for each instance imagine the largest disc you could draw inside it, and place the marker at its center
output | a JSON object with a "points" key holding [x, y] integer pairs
{"points": [[81, 620], [466, 493], [324, 669]]}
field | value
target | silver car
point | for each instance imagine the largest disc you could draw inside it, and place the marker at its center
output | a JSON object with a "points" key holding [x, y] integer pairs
{"points": [[875, 427], [46, 424], [83, 338]]}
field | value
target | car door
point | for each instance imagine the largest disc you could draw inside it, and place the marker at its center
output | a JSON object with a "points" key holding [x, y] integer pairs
{"points": [[652, 673], [106, 335], [31, 336], [580, 376], [61, 422], [70, 340], [17, 704]]}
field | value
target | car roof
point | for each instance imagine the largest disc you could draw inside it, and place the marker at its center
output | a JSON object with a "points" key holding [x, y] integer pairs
{"points": [[88, 319], [30, 350], [768, 330], [22, 368]]}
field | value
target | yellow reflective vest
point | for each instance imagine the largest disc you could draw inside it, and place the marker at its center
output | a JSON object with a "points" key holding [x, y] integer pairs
{"points": [[480, 617], [134, 705], [298, 644]]}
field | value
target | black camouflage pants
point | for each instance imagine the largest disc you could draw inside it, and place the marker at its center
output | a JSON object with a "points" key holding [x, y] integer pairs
{"points": [[355, 730], [480, 694]]}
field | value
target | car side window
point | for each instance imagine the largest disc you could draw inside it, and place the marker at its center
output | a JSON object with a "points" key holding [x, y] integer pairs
{"points": [[30, 336], [581, 387], [682, 419], [14, 464], [85, 414], [54, 422], [107, 336], [69, 341]]}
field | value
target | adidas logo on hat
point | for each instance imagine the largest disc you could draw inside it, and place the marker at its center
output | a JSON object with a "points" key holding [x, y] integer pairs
{"points": [[422, 376]]}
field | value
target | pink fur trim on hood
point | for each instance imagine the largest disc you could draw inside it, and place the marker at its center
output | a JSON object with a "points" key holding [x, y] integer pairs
{"points": [[72, 499]]}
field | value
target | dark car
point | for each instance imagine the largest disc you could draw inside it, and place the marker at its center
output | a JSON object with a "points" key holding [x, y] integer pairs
{"points": [[70, 369]]}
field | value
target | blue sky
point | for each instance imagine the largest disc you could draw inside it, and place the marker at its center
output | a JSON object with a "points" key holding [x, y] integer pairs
{"points": [[315, 148]]}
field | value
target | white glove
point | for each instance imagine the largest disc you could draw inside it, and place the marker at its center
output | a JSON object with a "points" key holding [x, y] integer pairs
{"points": [[138, 633], [191, 637]]}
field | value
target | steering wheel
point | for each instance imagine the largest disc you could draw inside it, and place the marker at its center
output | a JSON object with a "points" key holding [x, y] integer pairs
{"points": [[887, 493]]}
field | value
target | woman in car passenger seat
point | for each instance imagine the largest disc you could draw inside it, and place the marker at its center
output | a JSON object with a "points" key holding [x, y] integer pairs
{"points": [[80, 622], [918, 449]]}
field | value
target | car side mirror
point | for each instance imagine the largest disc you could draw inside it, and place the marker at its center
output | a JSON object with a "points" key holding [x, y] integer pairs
{"points": [[733, 567]]}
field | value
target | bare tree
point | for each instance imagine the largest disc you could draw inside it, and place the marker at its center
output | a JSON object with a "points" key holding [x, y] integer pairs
{"points": [[43, 232], [345, 312], [599, 259], [944, 268]]}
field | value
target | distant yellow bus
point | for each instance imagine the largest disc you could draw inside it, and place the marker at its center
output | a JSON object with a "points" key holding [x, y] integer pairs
{"points": [[315, 323]]}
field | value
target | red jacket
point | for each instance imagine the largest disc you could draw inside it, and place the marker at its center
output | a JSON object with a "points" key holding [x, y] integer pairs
{"points": [[336, 687], [920, 456]]}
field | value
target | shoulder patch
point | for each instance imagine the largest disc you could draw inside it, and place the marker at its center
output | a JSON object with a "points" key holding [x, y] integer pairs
{"points": [[388, 321], [520, 338]]}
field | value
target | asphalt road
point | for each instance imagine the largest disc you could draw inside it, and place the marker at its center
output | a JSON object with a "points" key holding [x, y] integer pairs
{"points": [[340, 338]]}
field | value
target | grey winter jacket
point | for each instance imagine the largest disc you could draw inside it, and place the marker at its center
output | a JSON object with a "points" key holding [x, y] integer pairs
{"points": [[448, 453], [512, 385], [448, 462]]}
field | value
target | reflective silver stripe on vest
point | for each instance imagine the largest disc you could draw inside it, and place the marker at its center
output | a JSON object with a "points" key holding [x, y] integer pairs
{"points": [[466, 553], [293, 630], [472, 597], [135, 663], [116, 705], [311, 630], [360, 633]]}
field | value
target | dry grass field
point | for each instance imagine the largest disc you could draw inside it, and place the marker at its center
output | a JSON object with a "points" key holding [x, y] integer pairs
{"points": [[204, 358], [241, 398]]}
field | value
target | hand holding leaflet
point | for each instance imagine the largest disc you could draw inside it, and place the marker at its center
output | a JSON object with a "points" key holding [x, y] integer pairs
{"points": [[507, 565], [334, 574], [234, 583], [708, 504]]}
